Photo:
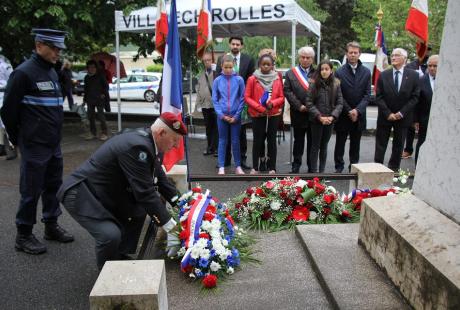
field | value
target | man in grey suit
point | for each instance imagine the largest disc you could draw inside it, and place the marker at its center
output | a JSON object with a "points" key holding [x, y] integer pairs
{"points": [[243, 64], [397, 94]]}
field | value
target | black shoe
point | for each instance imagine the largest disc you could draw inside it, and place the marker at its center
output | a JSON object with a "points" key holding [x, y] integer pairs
{"points": [[55, 232], [215, 154], [338, 170], [205, 153], [29, 244], [295, 170], [2, 150]]}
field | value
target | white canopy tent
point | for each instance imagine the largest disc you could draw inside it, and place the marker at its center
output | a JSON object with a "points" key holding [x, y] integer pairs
{"points": [[229, 17]]}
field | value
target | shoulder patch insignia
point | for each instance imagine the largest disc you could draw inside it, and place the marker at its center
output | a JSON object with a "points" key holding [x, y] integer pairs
{"points": [[143, 156]]}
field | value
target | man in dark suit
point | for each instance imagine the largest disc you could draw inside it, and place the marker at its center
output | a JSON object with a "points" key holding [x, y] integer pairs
{"points": [[420, 66], [355, 82], [422, 109], [244, 65], [111, 193], [397, 94], [296, 85]]}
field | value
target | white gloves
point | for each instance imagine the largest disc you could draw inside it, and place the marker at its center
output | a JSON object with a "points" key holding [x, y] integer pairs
{"points": [[173, 243]]}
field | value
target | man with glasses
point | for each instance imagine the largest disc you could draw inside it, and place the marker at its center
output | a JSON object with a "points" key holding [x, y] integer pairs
{"points": [[397, 94], [422, 109], [33, 115]]}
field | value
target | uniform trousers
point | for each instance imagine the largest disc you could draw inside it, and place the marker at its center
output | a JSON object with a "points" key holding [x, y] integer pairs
{"points": [[421, 138], [112, 241], [40, 176]]}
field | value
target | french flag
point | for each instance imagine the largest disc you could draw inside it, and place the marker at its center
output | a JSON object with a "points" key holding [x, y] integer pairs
{"points": [[172, 84], [381, 59], [417, 25], [161, 28], [204, 28]]}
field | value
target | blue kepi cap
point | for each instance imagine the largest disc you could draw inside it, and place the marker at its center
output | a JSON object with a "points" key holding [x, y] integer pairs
{"points": [[51, 36]]}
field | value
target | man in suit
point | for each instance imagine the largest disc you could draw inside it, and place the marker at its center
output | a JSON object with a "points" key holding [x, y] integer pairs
{"points": [[110, 194], [397, 94], [244, 66], [422, 109], [355, 82], [420, 66], [296, 85]]}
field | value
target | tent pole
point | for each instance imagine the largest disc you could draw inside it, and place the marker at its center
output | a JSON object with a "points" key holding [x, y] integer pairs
{"points": [[117, 44], [274, 44], [318, 51], [293, 46], [192, 128]]}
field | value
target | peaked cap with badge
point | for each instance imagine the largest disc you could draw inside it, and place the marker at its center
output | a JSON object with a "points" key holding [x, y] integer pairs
{"points": [[50, 36]]}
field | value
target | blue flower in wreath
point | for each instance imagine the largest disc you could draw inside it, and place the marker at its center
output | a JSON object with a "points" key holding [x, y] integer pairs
{"points": [[203, 263], [212, 253], [192, 261], [231, 231], [182, 203], [199, 273], [235, 252], [230, 261]]}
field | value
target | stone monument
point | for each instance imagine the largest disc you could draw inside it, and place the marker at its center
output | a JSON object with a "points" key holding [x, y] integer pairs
{"points": [[416, 238]]}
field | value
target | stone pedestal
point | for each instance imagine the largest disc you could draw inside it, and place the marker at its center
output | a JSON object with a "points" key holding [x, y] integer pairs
{"points": [[417, 246], [130, 284], [371, 175], [438, 169], [178, 174]]}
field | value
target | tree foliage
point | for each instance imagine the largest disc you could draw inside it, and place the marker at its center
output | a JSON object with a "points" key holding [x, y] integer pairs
{"points": [[393, 23], [89, 23], [254, 44]]}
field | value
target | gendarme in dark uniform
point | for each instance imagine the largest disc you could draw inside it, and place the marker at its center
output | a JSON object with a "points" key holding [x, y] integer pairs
{"points": [[32, 114], [111, 193]]}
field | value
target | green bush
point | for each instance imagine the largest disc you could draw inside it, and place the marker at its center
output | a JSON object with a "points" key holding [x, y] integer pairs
{"points": [[78, 67], [155, 68]]}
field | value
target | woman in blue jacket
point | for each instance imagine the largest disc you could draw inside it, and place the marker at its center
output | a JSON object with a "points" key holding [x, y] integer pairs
{"points": [[228, 101]]}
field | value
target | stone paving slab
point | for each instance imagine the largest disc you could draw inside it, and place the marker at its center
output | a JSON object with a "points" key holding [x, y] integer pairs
{"points": [[349, 276]]}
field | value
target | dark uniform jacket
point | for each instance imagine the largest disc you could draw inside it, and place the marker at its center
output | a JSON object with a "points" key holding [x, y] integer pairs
{"points": [[32, 106], [356, 91], [389, 100], [296, 96], [423, 107], [245, 70], [126, 177]]}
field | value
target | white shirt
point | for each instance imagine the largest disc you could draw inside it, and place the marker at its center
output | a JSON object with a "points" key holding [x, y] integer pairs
{"points": [[237, 59], [401, 72], [432, 82], [353, 68]]}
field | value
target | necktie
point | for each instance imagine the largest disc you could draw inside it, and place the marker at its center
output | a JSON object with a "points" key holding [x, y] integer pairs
{"points": [[397, 80], [235, 64]]}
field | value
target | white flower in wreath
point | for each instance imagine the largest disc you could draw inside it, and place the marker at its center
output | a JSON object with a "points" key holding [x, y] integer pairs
{"points": [[214, 266], [275, 205], [230, 270], [332, 189], [313, 215], [206, 225], [215, 224], [301, 183], [205, 253], [192, 275], [225, 242], [201, 243], [195, 253], [181, 251]]}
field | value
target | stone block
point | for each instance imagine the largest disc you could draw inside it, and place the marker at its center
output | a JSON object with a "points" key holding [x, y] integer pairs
{"points": [[349, 276], [178, 174], [417, 246], [371, 175], [130, 285]]}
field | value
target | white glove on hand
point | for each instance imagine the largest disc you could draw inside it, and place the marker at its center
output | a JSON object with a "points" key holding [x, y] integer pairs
{"points": [[173, 244]]}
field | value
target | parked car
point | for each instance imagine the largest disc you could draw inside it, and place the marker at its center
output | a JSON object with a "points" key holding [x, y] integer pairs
{"points": [[139, 85], [78, 81]]}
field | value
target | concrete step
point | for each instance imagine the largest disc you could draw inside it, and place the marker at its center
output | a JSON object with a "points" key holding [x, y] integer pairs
{"points": [[349, 277]]}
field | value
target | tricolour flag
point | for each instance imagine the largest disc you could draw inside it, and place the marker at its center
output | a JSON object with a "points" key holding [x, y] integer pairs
{"points": [[204, 28], [161, 28], [417, 25], [381, 58], [172, 84]]}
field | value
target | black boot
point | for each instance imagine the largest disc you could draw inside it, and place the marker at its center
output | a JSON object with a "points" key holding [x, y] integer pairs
{"points": [[29, 244], [55, 232], [2, 150]]}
